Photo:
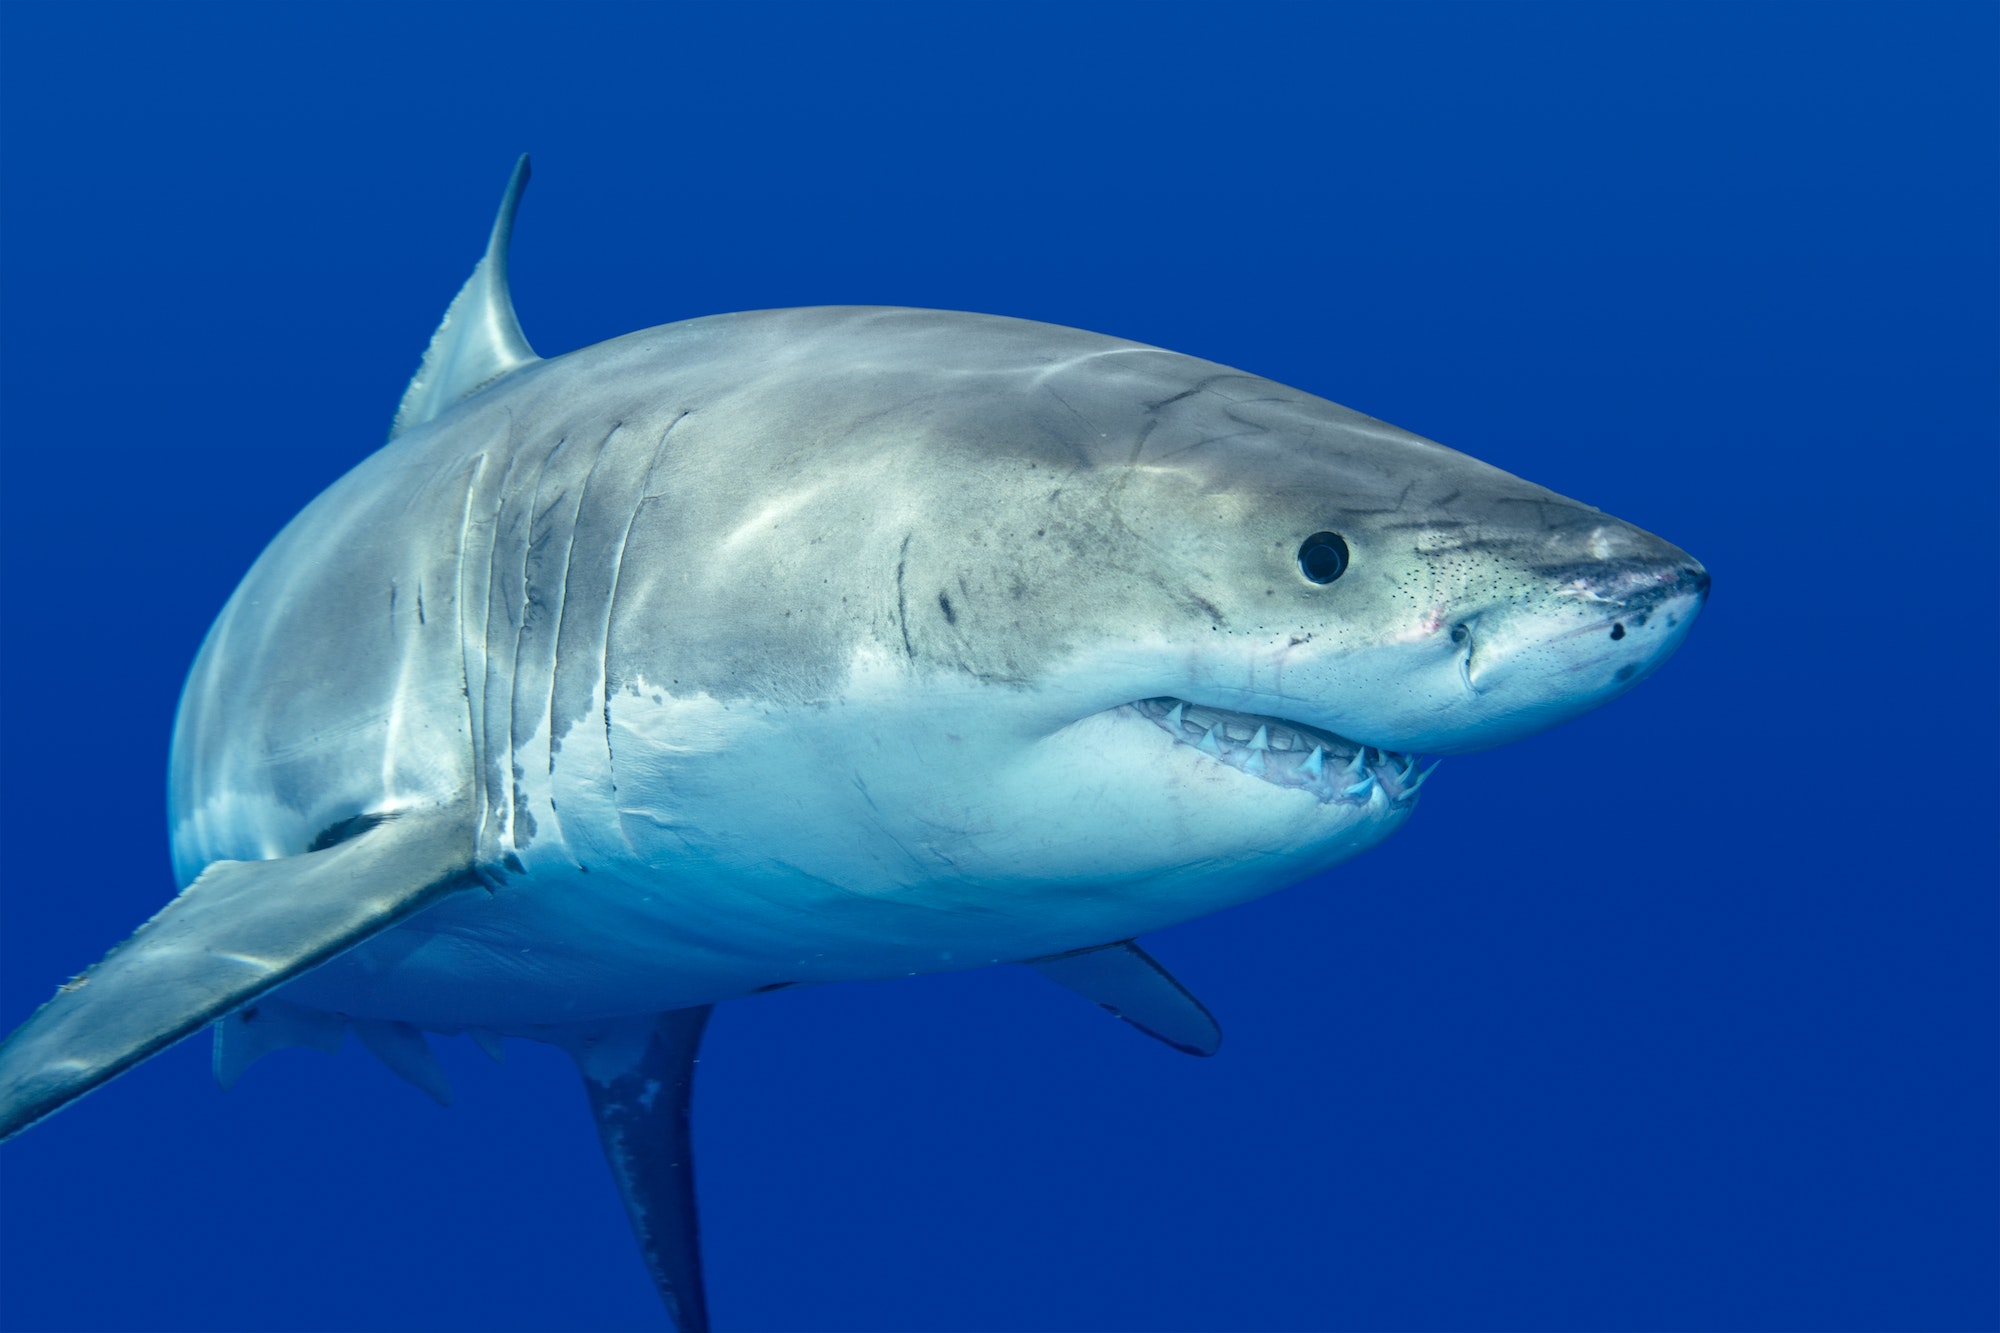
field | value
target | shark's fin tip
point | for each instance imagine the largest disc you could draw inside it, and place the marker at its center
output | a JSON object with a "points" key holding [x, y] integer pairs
{"points": [[491, 1042], [241, 929], [1125, 980], [639, 1074], [402, 1047], [480, 339], [249, 1034]]}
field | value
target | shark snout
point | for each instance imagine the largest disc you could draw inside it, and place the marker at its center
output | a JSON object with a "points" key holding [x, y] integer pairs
{"points": [[1579, 627], [1636, 587]]}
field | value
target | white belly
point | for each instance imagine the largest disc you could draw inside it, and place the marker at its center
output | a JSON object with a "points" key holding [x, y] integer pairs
{"points": [[694, 851]]}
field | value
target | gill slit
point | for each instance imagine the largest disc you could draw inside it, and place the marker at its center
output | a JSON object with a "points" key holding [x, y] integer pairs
{"points": [[473, 723], [611, 613], [562, 620], [520, 631], [484, 758]]}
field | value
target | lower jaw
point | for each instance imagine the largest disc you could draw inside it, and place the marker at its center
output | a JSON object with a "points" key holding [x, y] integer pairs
{"points": [[1286, 754]]}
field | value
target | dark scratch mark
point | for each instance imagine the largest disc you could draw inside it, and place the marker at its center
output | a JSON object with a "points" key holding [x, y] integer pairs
{"points": [[902, 602], [1203, 385], [1169, 402], [1067, 406], [352, 827], [1139, 445]]}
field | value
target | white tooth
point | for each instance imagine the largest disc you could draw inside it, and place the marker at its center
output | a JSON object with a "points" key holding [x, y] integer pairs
{"points": [[1409, 767], [1174, 717], [1208, 741], [1262, 740], [1359, 762], [1314, 764], [1255, 763], [1411, 789], [1367, 784]]}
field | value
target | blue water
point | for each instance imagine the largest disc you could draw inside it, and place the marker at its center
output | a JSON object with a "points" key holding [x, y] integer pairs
{"points": [[1680, 1017]]}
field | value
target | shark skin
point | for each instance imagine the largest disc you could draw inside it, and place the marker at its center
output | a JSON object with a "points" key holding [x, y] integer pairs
{"points": [[802, 646]]}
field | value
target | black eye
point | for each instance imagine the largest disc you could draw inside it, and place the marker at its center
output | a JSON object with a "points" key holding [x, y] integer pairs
{"points": [[1323, 557]]}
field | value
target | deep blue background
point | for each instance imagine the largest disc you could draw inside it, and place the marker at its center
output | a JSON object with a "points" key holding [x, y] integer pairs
{"points": [[1680, 1017]]}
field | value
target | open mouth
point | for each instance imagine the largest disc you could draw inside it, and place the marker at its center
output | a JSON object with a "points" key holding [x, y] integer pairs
{"points": [[1289, 754]]}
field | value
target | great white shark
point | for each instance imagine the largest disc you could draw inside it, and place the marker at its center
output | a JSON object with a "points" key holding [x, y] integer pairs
{"points": [[799, 646]]}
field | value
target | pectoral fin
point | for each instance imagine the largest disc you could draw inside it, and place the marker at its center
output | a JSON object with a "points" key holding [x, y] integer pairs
{"points": [[640, 1077], [240, 929], [1124, 979]]}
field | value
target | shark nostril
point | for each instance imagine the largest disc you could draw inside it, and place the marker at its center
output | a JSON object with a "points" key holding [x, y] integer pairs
{"points": [[1700, 578], [1617, 630]]}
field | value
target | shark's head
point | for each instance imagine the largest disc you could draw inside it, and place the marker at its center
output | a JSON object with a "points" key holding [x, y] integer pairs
{"points": [[1326, 569], [1118, 617]]}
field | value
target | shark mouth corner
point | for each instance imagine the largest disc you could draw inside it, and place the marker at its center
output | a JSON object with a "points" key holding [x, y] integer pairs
{"points": [[1289, 754]]}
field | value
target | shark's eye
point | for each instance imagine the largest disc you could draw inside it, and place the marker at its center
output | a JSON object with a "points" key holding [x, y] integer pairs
{"points": [[1323, 557]]}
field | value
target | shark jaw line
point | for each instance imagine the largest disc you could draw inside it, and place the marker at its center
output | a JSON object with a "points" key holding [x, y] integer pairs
{"points": [[1288, 754]]}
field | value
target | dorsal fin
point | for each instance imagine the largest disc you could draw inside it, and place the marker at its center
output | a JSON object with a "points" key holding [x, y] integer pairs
{"points": [[480, 340]]}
